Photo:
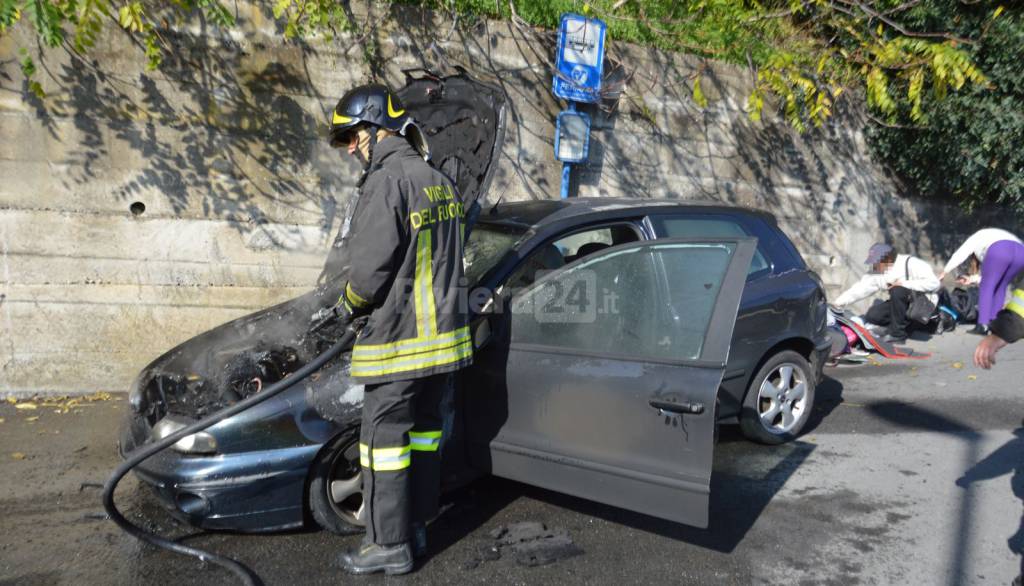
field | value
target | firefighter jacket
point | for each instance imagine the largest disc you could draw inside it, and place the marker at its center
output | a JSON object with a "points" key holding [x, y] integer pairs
{"points": [[406, 270]]}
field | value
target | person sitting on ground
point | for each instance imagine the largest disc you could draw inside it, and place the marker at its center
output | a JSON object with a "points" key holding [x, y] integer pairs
{"points": [[903, 276], [1001, 256]]}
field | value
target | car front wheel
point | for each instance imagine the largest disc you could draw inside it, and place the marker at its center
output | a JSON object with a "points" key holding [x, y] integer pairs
{"points": [[336, 487], [779, 399]]}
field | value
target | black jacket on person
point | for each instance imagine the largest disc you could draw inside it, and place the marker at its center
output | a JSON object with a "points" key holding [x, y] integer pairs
{"points": [[405, 269], [1009, 323]]}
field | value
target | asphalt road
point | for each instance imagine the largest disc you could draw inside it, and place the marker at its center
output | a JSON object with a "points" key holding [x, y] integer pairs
{"points": [[907, 476]]}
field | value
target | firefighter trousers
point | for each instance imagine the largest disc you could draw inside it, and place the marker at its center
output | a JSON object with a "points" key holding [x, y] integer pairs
{"points": [[398, 451]]}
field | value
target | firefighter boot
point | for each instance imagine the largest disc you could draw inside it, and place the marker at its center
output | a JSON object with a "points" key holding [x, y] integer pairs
{"points": [[370, 558]]}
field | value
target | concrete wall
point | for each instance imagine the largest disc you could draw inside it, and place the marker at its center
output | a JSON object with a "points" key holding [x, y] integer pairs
{"points": [[223, 146]]}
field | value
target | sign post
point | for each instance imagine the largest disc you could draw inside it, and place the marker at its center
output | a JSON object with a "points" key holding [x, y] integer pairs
{"points": [[579, 66]]}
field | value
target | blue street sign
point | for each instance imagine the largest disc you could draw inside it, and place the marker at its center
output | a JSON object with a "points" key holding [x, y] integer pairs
{"points": [[579, 63]]}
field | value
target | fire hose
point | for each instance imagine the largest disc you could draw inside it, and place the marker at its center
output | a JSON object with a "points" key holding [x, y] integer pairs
{"points": [[246, 575]]}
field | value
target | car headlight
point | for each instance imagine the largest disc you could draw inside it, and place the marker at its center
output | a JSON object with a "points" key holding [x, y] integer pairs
{"points": [[197, 443]]}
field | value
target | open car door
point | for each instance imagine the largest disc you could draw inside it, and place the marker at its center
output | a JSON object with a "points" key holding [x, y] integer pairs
{"points": [[612, 370]]}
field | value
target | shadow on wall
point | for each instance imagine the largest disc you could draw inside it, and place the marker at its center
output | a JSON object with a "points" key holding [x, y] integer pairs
{"points": [[240, 138], [224, 132], [218, 134]]}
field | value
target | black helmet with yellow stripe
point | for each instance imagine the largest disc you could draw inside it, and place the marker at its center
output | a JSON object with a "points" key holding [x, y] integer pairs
{"points": [[376, 105]]}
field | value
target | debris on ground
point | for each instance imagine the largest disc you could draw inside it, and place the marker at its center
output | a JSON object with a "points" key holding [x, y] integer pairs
{"points": [[18, 456], [958, 365], [60, 404], [530, 544]]}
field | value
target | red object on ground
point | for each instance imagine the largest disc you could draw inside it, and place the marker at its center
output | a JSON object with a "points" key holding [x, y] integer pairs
{"points": [[885, 349]]}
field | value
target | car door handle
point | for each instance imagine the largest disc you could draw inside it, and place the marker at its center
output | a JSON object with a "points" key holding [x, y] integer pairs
{"points": [[685, 408]]}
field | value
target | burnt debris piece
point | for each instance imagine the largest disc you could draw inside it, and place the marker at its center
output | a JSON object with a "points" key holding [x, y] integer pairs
{"points": [[529, 543]]}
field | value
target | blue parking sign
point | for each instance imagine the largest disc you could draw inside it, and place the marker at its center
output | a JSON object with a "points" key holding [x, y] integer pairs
{"points": [[580, 60]]}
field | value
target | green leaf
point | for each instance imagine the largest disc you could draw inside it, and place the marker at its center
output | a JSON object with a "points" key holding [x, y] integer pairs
{"points": [[28, 66], [9, 14], [36, 89], [698, 95], [154, 54], [47, 20], [755, 104], [131, 17], [91, 15], [280, 7], [914, 94], [878, 91]]}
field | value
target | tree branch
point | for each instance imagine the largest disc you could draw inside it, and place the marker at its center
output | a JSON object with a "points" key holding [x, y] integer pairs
{"points": [[881, 122], [899, 27]]}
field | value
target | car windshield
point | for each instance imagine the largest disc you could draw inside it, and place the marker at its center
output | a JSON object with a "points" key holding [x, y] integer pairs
{"points": [[487, 244]]}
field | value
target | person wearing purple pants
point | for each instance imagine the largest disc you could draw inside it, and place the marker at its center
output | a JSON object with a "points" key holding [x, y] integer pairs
{"points": [[1003, 261], [976, 249]]}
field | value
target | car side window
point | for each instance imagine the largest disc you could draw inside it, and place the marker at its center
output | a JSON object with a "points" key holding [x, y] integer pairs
{"points": [[566, 249], [708, 226], [613, 304]]}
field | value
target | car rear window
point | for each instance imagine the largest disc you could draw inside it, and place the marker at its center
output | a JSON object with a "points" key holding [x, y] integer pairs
{"points": [[704, 226]]}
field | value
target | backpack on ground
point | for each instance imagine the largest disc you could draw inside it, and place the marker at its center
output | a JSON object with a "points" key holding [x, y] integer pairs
{"points": [[964, 301]]}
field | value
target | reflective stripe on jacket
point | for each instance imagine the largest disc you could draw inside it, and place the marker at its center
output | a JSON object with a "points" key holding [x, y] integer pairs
{"points": [[407, 270]]}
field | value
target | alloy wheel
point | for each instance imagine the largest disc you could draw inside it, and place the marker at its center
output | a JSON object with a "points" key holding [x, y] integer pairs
{"points": [[782, 398], [346, 489]]}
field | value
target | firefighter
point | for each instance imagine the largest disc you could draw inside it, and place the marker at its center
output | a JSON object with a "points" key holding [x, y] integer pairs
{"points": [[405, 271]]}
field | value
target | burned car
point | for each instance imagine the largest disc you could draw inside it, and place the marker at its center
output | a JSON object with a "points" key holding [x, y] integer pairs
{"points": [[611, 337]]}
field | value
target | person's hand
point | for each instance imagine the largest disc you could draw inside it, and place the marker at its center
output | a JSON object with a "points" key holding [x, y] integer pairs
{"points": [[896, 283], [963, 280], [985, 353], [942, 275]]}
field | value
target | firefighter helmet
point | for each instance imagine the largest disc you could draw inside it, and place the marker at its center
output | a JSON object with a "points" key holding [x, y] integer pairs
{"points": [[376, 105]]}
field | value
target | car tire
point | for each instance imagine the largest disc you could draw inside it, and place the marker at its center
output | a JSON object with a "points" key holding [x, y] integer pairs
{"points": [[335, 486], [779, 399]]}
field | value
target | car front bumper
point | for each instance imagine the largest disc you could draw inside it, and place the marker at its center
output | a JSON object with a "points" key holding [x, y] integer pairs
{"points": [[249, 491]]}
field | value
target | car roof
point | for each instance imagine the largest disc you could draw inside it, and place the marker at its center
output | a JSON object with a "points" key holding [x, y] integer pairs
{"points": [[544, 211]]}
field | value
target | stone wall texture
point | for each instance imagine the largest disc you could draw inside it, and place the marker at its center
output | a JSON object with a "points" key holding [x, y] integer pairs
{"points": [[138, 209]]}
